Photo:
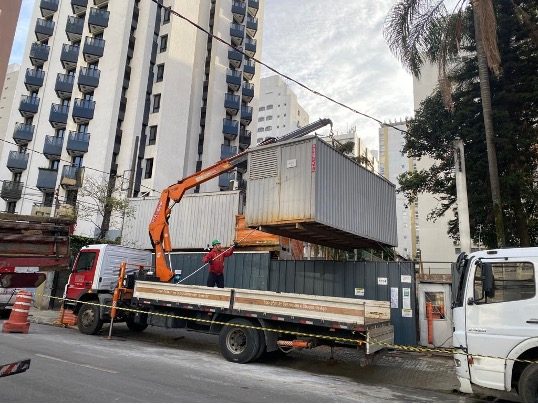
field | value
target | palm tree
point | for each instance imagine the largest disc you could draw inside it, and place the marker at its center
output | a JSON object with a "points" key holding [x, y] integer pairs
{"points": [[420, 31]]}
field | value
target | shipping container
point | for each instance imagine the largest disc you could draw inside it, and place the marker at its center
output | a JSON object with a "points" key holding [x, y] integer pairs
{"points": [[194, 222], [306, 190]]}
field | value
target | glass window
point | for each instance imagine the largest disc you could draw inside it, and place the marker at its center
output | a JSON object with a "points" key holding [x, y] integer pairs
{"points": [[166, 15], [160, 72], [148, 172], [270, 106], [437, 299], [511, 281], [269, 117], [156, 102], [260, 129], [48, 199], [261, 109], [85, 261], [267, 128], [164, 43], [152, 135], [261, 119]]}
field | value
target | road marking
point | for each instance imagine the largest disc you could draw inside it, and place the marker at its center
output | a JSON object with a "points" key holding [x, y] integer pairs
{"points": [[77, 364]]}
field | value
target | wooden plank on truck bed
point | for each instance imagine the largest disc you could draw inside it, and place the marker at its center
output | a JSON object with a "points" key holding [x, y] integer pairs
{"points": [[185, 294]]}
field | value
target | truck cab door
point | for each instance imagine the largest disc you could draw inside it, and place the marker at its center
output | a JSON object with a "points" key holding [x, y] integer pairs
{"points": [[81, 278], [498, 320]]}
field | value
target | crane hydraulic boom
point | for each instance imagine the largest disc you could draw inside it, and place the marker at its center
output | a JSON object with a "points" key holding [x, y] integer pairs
{"points": [[158, 228]]}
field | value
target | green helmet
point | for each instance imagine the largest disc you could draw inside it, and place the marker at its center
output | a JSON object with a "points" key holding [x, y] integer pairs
{"points": [[215, 242]]}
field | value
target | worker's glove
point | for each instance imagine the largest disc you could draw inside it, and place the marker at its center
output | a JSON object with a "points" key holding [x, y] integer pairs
{"points": [[236, 244]]}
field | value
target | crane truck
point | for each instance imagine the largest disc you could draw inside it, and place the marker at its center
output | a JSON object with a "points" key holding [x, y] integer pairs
{"points": [[250, 323]]}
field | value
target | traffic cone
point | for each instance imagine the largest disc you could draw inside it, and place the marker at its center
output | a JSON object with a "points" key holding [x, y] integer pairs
{"points": [[66, 318], [18, 319]]}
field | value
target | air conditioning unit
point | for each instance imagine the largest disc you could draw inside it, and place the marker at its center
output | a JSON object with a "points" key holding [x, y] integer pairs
{"points": [[41, 210]]}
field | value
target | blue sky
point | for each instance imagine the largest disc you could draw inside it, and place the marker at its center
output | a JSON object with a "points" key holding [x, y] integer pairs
{"points": [[336, 48]]}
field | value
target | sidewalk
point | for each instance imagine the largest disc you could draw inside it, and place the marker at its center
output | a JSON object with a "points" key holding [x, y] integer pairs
{"points": [[43, 316]]}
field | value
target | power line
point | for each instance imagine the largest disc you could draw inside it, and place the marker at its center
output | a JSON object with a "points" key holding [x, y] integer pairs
{"points": [[274, 70]]}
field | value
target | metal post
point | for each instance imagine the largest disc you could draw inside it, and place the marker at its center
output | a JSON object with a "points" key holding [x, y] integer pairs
{"points": [[461, 190]]}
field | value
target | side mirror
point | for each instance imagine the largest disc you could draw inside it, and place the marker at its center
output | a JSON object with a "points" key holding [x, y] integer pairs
{"points": [[488, 281]]}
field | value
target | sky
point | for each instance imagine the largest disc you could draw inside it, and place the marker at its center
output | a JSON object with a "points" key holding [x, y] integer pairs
{"points": [[334, 47]]}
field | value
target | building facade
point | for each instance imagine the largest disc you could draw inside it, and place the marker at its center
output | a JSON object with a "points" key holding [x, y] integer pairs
{"points": [[392, 163], [6, 100], [124, 93], [9, 15], [279, 112]]}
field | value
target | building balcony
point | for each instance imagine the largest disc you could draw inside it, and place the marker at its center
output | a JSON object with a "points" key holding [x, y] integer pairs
{"points": [[69, 56], [48, 7], [52, 149], [79, 6], [232, 103], [28, 106], [98, 20], [253, 7], [235, 57], [77, 143], [245, 138], [250, 46], [83, 111], [23, 134], [39, 54], [33, 79], [233, 78], [88, 79], [237, 33], [71, 177], [252, 26], [58, 116], [11, 191], [93, 49], [247, 92], [227, 151], [74, 28], [249, 69], [17, 162], [64, 85], [46, 179], [225, 179], [230, 128], [246, 114], [44, 29], [239, 9]]}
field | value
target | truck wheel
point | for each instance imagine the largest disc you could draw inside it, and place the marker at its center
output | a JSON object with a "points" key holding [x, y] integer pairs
{"points": [[135, 327], [239, 344], [528, 384], [89, 322]]}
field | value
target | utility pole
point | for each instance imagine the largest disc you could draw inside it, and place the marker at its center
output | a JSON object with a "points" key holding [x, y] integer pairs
{"points": [[461, 191]]}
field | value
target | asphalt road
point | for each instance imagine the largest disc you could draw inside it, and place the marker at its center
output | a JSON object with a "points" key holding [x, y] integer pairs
{"points": [[70, 367]]}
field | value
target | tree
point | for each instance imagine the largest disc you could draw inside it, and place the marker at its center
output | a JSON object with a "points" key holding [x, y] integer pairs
{"points": [[419, 31], [102, 204], [515, 114]]}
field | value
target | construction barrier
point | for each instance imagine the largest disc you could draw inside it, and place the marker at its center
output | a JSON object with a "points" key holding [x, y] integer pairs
{"points": [[18, 319]]}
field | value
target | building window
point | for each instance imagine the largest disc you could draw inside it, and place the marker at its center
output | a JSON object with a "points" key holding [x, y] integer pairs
{"points": [[512, 281], [48, 199], [11, 206], [260, 129], [149, 168], [54, 164], [152, 135], [156, 102], [71, 197], [270, 106], [166, 15], [160, 72], [164, 43], [261, 119], [269, 117], [261, 109], [268, 128]]}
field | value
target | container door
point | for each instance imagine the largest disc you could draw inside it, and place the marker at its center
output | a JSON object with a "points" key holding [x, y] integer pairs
{"points": [[439, 296], [81, 278], [499, 322]]}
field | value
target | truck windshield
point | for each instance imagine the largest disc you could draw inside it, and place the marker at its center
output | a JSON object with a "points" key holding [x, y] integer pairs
{"points": [[85, 261], [459, 275]]}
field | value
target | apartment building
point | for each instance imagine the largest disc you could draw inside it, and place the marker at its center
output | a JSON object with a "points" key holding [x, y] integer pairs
{"points": [[279, 112], [128, 94], [9, 15], [364, 155], [7, 94]]}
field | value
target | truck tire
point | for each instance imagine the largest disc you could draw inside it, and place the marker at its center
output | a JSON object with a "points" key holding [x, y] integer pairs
{"points": [[528, 384], [89, 321], [239, 344], [135, 327]]}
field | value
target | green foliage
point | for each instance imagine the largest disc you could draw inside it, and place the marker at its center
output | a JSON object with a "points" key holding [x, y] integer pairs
{"points": [[515, 115]]}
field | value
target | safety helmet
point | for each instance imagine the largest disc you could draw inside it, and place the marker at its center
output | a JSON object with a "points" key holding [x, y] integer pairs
{"points": [[215, 242]]}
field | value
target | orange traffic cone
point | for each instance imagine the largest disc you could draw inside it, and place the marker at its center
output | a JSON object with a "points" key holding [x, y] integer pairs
{"points": [[18, 319], [66, 318]]}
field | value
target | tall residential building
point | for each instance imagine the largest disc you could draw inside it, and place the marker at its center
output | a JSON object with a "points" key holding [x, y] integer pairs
{"points": [[7, 93], [392, 163], [124, 91], [279, 111], [9, 15]]}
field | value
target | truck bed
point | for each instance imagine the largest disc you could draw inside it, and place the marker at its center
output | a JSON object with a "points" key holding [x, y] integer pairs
{"points": [[333, 312]]}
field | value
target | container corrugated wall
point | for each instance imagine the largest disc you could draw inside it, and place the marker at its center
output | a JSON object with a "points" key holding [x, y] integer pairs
{"points": [[195, 221], [305, 189], [362, 280]]}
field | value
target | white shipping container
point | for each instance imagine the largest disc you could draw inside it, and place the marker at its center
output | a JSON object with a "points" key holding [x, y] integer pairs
{"points": [[306, 190], [195, 221]]}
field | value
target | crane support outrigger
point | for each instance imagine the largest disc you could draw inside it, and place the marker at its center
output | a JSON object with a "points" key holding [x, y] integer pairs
{"points": [[158, 228]]}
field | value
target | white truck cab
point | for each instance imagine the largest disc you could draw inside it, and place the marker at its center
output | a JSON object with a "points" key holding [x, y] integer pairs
{"points": [[495, 314]]}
